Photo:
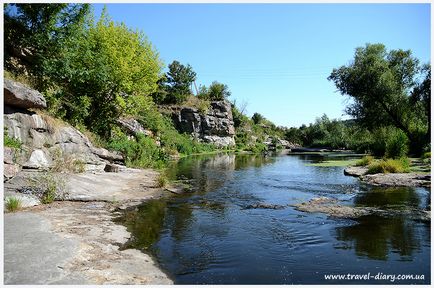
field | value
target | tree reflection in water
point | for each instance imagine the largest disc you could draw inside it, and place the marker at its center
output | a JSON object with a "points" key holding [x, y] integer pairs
{"points": [[385, 235]]}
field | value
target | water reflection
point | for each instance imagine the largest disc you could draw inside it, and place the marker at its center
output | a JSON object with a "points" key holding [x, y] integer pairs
{"points": [[391, 197], [145, 223], [376, 237]]}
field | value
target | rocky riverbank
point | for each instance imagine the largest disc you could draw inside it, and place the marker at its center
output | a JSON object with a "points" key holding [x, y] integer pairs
{"points": [[73, 241], [76, 241]]}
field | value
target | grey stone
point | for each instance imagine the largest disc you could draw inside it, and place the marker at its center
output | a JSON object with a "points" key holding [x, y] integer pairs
{"points": [[216, 126], [19, 95], [8, 155], [38, 159], [107, 155], [54, 138], [132, 127], [9, 171], [32, 253]]}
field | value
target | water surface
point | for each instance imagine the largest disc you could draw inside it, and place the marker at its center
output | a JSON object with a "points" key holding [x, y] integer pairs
{"points": [[210, 236]]}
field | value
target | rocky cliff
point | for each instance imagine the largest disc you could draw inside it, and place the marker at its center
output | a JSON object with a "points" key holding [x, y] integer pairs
{"points": [[215, 126], [45, 141]]}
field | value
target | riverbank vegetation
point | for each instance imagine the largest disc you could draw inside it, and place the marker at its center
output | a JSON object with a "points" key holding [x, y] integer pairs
{"points": [[94, 72]]}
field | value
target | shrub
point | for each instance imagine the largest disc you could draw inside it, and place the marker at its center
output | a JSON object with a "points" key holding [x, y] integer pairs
{"points": [[257, 148], [140, 152], [13, 204], [162, 180], [48, 187], [67, 163], [390, 166], [366, 160], [216, 92]]}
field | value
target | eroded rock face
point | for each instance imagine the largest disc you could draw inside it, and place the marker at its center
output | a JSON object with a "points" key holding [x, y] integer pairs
{"points": [[215, 126], [45, 141], [42, 140], [18, 95]]}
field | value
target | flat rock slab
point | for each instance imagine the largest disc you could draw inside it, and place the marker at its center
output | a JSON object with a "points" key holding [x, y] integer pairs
{"points": [[355, 171], [330, 207], [389, 179], [127, 185], [33, 254], [73, 243], [333, 208], [398, 179]]}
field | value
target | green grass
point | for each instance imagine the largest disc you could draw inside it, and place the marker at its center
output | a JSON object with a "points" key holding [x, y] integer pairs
{"points": [[365, 161], [11, 142], [162, 180], [12, 204], [334, 163], [389, 166]]}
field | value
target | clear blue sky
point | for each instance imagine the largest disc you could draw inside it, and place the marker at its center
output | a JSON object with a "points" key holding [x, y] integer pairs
{"points": [[276, 57]]}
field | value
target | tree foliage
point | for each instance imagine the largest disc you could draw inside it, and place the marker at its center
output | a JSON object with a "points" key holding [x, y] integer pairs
{"points": [[174, 87], [257, 118], [35, 33], [381, 83], [106, 71], [216, 92]]}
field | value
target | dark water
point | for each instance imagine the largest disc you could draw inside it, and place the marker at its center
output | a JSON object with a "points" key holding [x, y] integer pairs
{"points": [[209, 237]]}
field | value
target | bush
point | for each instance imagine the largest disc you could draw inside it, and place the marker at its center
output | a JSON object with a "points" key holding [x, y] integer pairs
{"points": [[12, 204], [140, 152], [216, 92], [162, 180], [396, 144], [257, 148], [197, 102], [366, 160], [67, 163], [48, 187], [390, 166]]}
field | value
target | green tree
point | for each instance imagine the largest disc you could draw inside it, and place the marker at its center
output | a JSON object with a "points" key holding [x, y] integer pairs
{"points": [[380, 84], [106, 71], [257, 118], [179, 80], [35, 34]]}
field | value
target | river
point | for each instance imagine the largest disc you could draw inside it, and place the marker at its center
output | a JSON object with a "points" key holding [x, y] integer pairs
{"points": [[215, 235]]}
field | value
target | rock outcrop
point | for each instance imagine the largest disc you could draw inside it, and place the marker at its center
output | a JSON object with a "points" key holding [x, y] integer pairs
{"points": [[131, 126], [45, 140], [215, 126], [16, 94], [411, 179]]}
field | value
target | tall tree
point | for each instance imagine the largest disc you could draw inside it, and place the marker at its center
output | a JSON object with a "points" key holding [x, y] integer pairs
{"points": [[380, 83], [106, 71], [179, 79]]}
